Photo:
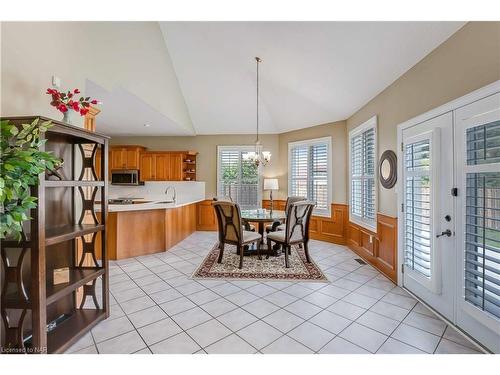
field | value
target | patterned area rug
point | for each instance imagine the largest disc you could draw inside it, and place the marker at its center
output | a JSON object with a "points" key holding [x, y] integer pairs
{"points": [[253, 268]]}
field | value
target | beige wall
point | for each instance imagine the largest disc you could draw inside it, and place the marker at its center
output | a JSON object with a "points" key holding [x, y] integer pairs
{"points": [[468, 60], [336, 130], [206, 145], [109, 54]]}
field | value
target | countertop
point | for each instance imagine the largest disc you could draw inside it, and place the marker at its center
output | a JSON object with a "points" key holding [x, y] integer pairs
{"points": [[150, 205]]}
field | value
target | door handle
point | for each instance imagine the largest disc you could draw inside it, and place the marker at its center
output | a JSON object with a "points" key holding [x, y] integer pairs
{"points": [[446, 233]]}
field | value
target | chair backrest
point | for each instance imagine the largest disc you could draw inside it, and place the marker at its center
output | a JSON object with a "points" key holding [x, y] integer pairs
{"points": [[297, 223], [291, 200], [225, 198], [229, 220]]}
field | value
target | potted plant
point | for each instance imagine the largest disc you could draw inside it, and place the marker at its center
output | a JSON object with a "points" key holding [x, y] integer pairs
{"points": [[69, 105], [21, 162]]}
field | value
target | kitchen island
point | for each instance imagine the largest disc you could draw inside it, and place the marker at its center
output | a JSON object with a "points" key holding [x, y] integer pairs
{"points": [[148, 227]]}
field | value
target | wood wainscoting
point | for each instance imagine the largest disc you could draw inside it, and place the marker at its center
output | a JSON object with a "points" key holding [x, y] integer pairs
{"points": [[379, 249], [330, 229], [206, 219]]}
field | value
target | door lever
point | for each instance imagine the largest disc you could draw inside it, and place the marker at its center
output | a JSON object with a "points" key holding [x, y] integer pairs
{"points": [[446, 233]]}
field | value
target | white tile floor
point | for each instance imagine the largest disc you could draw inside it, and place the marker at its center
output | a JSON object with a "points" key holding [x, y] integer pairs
{"points": [[157, 308]]}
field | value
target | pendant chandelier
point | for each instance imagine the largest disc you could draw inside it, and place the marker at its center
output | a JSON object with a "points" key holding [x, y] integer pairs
{"points": [[258, 156]]}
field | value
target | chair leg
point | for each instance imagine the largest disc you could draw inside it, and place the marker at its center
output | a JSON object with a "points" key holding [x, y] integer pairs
{"points": [[269, 248], [306, 250], [221, 252], [290, 250], [258, 249], [287, 247], [240, 250]]}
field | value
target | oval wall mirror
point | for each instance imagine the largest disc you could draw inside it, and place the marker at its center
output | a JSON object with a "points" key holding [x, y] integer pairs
{"points": [[388, 169]]}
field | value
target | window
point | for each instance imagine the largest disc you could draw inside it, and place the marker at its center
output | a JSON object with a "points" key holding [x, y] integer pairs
{"points": [[238, 178], [418, 207], [309, 172], [482, 227], [362, 152]]}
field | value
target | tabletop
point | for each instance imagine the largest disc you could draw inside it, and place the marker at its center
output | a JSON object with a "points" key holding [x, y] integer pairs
{"points": [[252, 215]]}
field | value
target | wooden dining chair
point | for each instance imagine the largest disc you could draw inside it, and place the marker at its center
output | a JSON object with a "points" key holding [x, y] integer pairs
{"points": [[226, 198], [296, 230], [231, 231], [277, 225]]}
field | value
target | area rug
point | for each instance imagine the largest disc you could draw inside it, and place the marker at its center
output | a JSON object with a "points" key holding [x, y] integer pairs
{"points": [[255, 269]]}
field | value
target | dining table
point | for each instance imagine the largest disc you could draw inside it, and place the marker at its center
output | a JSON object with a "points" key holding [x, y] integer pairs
{"points": [[261, 218]]}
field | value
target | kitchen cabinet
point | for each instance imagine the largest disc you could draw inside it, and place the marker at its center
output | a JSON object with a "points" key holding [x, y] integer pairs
{"points": [[176, 167], [167, 166], [125, 157], [147, 166], [162, 167]]}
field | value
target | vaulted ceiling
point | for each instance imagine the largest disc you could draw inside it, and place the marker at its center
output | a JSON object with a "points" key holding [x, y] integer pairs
{"points": [[312, 73]]}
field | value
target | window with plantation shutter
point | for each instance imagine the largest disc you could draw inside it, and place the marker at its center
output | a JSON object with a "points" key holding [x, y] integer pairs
{"points": [[363, 150], [309, 172], [418, 206], [482, 218], [238, 178]]}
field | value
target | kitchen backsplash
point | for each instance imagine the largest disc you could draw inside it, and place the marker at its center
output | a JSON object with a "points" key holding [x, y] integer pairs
{"points": [[186, 191]]}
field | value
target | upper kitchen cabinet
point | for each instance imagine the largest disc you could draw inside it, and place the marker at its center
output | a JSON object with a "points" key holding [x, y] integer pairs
{"points": [[167, 166], [125, 157]]}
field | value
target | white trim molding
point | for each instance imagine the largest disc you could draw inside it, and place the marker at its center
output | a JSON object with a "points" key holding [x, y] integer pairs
{"points": [[311, 142], [453, 105], [371, 123]]}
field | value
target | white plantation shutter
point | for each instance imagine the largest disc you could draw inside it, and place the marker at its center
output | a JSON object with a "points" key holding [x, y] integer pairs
{"points": [[309, 172], [482, 226], [363, 170], [238, 178], [418, 200]]}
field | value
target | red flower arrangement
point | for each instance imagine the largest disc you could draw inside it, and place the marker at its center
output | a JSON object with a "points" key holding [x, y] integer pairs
{"points": [[64, 101]]}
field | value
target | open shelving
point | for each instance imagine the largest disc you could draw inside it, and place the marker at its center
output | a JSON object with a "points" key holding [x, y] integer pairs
{"points": [[39, 316], [189, 166]]}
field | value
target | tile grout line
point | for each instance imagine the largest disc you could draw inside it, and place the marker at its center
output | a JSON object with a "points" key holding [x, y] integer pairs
{"points": [[258, 297]]}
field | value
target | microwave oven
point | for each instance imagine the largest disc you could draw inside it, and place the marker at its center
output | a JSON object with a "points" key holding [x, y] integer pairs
{"points": [[125, 177]]}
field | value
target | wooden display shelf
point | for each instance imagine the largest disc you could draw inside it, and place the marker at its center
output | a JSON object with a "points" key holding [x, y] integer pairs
{"points": [[77, 278], [69, 183], [69, 232], [72, 329]]}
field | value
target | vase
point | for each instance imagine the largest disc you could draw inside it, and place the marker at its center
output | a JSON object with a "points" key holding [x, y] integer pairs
{"points": [[69, 117]]}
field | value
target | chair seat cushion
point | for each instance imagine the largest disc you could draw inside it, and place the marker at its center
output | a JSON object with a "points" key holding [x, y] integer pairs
{"points": [[250, 236], [277, 236], [269, 227]]}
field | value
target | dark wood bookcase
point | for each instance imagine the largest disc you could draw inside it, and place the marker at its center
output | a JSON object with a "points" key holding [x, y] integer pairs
{"points": [[38, 316]]}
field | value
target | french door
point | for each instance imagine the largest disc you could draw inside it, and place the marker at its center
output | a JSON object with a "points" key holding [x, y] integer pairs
{"points": [[428, 222], [451, 216], [477, 138]]}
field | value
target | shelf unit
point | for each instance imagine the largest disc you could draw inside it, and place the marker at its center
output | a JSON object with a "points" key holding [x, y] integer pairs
{"points": [[38, 316], [189, 166]]}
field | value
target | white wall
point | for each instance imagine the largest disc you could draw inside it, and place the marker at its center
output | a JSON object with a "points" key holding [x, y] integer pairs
{"points": [[131, 55]]}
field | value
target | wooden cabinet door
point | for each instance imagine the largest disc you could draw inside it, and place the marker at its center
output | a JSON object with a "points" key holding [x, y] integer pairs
{"points": [[162, 167], [132, 158], [118, 159], [176, 171], [147, 167]]}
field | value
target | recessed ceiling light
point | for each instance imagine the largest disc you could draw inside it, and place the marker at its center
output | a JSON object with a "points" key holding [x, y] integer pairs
{"points": [[147, 125]]}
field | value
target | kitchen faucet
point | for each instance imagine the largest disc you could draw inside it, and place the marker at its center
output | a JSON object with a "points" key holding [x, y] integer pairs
{"points": [[174, 193]]}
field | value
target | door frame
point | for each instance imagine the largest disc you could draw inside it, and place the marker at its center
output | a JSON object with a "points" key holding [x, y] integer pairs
{"points": [[469, 98]]}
